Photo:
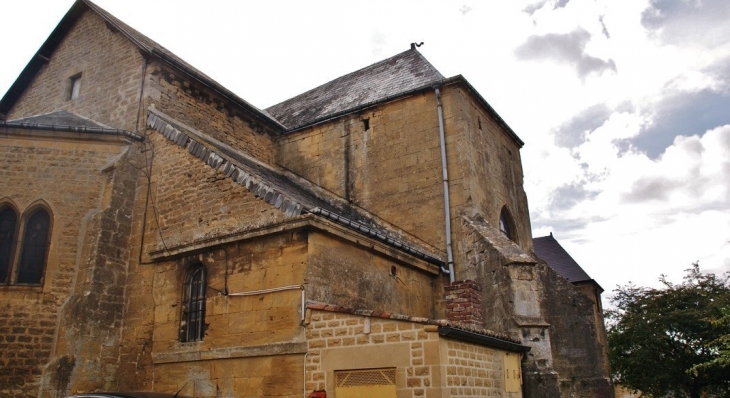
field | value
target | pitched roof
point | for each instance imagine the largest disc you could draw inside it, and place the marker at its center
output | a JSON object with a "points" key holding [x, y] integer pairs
{"points": [[68, 122], [548, 249], [391, 77], [145, 45], [60, 118]]}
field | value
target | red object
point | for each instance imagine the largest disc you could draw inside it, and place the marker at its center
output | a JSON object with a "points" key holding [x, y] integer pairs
{"points": [[318, 394]]}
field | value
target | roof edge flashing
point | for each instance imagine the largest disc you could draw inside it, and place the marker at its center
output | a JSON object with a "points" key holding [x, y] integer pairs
{"points": [[489, 341]]}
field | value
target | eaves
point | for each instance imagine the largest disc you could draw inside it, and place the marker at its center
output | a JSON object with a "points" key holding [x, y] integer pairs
{"points": [[303, 222]]}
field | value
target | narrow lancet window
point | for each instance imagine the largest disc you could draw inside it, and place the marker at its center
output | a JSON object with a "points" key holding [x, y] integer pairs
{"points": [[34, 248], [193, 316], [8, 222], [506, 225]]}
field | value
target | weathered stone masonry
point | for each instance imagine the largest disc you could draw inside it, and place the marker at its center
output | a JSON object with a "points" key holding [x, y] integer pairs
{"points": [[285, 209]]}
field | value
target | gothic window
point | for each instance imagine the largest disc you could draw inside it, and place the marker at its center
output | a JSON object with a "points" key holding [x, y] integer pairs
{"points": [[34, 248], [506, 225], [193, 315], [24, 245], [8, 223]]}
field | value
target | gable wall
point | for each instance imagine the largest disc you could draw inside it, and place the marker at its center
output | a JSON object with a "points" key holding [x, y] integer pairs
{"points": [[111, 75], [579, 353], [202, 109]]}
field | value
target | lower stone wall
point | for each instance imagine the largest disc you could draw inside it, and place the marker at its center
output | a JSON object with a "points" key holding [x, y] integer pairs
{"points": [[27, 327], [276, 376], [474, 371], [425, 364], [344, 341]]}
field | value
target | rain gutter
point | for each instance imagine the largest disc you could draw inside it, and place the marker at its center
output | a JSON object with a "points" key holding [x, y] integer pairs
{"points": [[481, 339], [72, 129], [445, 175], [372, 233]]}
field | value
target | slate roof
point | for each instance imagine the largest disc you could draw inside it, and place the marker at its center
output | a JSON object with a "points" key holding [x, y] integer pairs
{"points": [[69, 122], [548, 249], [391, 77], [60, 118]]}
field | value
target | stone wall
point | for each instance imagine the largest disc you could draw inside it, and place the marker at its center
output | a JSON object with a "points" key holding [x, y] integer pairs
{"points": [[426, 365], [246, 326], [489, 159], [579, 356], [190, 201], [343, 341], [235, 321], [111, 71], [87, 186], [475, 371], [271, 376], [365, 279], [392, 169], [201, 108]]}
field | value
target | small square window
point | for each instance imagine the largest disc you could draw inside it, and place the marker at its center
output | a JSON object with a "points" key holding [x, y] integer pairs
{"points": [[75, 86]]}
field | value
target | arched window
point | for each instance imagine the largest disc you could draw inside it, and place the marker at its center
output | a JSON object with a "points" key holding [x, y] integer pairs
{"points": [[32, 260], [506, 225], [8, 225], [192, 326]]}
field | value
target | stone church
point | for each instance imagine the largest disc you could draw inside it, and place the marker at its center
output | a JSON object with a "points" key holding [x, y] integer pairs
{"points": [[370, 236]]}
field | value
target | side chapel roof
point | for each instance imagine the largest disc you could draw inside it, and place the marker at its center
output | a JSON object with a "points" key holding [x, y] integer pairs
{"points": [[548, 249], [64, 121]]}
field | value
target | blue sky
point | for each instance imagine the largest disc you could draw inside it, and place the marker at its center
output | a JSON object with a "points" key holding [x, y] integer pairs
{"points": [[624, 105]]}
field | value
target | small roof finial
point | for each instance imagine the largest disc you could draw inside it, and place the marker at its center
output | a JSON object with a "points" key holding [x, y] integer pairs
{"points": [[414, 45]]}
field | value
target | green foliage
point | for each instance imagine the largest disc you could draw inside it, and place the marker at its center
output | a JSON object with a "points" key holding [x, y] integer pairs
{"points": [[674, 340]]}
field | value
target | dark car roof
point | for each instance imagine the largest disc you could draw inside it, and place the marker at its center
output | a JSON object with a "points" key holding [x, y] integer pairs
{"points": [[126, 395]]}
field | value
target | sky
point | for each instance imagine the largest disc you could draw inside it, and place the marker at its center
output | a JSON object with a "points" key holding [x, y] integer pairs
{"points": [[623, 105]]}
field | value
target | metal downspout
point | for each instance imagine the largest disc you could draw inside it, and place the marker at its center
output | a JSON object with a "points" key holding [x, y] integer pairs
{"points": [[447, 204]]}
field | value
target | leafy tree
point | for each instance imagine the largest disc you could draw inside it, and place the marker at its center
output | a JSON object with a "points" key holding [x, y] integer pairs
{"points": [[673, 341]]}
